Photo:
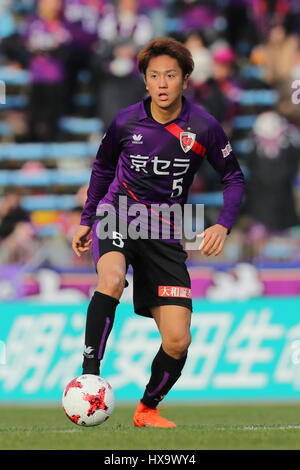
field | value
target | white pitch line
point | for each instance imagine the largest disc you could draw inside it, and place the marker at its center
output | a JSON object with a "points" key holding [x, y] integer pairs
{"points": [[63, 430], [233, 428], [259, 428], [41, 431]]}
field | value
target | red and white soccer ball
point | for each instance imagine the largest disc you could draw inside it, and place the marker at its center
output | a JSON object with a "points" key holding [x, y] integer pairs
{"points": [[88, 400]]}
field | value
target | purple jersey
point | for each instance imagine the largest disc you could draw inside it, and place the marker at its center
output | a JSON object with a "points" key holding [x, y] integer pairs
{"points": [[82, 18], [153, 163], [43, 40], [122, 26]]}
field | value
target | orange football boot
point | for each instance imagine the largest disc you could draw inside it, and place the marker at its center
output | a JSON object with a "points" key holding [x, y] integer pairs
{"points": [[149, 417]]}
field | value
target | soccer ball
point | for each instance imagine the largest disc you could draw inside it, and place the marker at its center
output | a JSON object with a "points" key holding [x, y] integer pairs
{"points": [[88, 400]]}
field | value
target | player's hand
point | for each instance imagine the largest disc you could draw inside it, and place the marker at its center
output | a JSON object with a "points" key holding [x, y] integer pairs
{"points": [[80, 240], [213, 240]]}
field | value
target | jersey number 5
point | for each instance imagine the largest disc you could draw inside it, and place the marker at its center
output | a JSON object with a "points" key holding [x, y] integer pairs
{"points": [[177, 187], [117, 239]]}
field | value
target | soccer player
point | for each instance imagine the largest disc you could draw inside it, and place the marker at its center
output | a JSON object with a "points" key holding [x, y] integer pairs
{"points": [[150, 154]]}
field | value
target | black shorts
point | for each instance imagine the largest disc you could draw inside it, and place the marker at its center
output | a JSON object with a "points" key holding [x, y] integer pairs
{"points": [[160, 275]]}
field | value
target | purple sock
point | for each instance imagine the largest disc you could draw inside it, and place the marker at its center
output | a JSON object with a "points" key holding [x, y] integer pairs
{"points": [[99, 322], [165, 371]]}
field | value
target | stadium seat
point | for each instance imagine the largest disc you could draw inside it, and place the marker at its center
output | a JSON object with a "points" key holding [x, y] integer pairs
{"points": [[4, 177], [39, 178], [15, 102], [5, 130], [71, 150], [244, 122], [20, 101], [259, 98], [208, 199], [40, 151], [14, 76], [21, 151], [252, 71], [49, 202], [77, 125], [44, 177], [70, 178], [242, 146]]}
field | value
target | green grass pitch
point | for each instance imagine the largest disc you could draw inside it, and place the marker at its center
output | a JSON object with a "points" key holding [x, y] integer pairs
{"points": [[204, 426]]}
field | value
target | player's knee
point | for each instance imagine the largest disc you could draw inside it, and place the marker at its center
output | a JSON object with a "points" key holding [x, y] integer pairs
{"points": [[177, 346], [112, 284]]}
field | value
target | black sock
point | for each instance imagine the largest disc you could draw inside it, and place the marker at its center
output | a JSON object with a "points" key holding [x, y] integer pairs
{"points": [[99, 322], [165, 371]]}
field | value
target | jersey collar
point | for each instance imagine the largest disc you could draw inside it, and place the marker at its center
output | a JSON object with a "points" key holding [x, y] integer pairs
{"points": [[183, 115]]}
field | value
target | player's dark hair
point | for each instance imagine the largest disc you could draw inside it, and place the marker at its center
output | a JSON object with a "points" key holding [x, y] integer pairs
{"points": [[166, 46]]}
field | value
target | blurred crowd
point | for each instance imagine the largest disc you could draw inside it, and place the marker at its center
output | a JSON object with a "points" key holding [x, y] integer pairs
{"points": [[247, 62]]}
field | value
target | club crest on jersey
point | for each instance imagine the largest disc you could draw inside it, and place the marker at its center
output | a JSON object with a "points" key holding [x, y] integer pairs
{"points": [[187, 140]]}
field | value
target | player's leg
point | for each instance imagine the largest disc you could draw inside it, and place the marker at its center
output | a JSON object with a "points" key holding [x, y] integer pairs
{"points": [[173, 322], [165, 295], [111, 269]]}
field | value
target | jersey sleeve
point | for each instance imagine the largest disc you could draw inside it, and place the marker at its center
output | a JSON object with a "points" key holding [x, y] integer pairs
{"points": [[103, 173], [222, 158]]}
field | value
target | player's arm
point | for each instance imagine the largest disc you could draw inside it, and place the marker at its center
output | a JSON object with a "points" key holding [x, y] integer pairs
{"points": [[221, 156], [103, 173]]}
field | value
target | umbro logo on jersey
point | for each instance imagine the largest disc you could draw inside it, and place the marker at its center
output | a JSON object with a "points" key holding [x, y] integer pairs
{"points": [[137, 139], [87, 352]]}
